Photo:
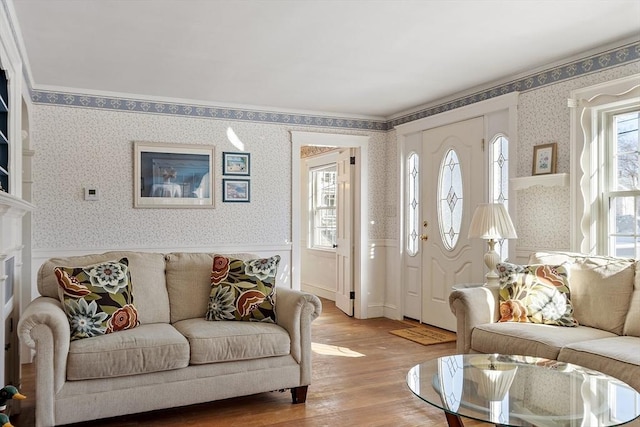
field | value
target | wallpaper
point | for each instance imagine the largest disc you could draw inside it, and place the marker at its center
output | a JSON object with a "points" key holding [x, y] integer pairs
{"points": [[79, 147], [543, 213]]}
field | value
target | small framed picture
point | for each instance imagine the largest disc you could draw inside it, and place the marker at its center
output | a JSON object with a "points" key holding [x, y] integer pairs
{"points": [[236, 190], [236, 163], [544, 159]]}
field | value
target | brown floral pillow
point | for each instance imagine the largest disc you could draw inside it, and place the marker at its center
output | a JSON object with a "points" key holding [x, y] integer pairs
{"points": [[535, 293], [243, 290], [97, 299]]}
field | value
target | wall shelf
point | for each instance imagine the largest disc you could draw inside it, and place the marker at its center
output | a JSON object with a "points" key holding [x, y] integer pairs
{"points": [[550, 180]]}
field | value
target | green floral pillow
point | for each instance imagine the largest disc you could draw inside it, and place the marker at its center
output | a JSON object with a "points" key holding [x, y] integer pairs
{"points": [[535, 293], [97, 299], [243, 290]]}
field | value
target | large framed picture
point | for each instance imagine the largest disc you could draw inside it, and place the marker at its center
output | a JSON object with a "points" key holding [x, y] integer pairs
{"points": [[236, 163], [172, 175], [236, 190], [544, 159]]}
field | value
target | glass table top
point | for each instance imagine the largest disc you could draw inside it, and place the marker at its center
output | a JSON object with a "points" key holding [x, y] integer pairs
{"points": [[523, 391]]}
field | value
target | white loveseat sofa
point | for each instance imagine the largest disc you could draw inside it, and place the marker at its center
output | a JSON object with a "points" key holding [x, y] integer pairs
{"points": [[605, 293], [174, 357]]}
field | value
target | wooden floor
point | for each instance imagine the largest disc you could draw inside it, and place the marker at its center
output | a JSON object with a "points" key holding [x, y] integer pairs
{"points": [[368, 390]]}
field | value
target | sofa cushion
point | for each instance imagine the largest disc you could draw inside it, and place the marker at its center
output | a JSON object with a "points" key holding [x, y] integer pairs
{"points": [[617, 356], [188, 278], [243, 289], [632, 322], [226, 341], [147, 274], [147, 348], [601, 287], [529, 339], [97, 299], [536, 293]]}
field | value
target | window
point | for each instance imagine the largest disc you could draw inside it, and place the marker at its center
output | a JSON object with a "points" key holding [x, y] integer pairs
{"points": [[322, 218], [622, 190], [413, 199], [605, 139], [499, 182]]}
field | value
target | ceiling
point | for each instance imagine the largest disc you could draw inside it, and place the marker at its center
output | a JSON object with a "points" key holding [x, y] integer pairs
{"points": [[361, 58]]}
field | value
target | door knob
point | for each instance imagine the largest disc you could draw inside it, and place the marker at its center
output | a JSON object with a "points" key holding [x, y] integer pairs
{"points": [[424, 237]]}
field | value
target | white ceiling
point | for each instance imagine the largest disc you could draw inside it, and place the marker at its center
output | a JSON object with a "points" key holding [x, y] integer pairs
{"points": [[372, 58]]}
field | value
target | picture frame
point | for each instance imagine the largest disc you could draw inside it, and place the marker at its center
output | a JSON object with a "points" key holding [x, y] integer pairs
{"points": [[236, 163], [169, 175], [544, 159], [236, 190]]}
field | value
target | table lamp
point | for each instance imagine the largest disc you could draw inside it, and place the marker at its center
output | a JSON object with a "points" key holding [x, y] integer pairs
{"points": [[491, 222]]}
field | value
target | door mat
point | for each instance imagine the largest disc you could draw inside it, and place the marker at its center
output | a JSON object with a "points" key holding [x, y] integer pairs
{"points": [[425, 334]]}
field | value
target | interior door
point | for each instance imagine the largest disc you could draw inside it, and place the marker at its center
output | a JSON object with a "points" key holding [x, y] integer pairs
{"points": [[453, 186], [344, 238]]}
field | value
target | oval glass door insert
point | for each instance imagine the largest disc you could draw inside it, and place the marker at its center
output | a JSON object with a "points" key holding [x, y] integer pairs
{"points": [[450, 199]]}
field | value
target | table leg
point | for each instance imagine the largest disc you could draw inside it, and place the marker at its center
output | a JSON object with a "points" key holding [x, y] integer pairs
{"points": [[453, 420]]}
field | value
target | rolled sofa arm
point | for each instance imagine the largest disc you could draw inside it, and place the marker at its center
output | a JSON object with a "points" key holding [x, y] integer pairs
{"points": [[472, 307], [44, 327], [295, 311]]}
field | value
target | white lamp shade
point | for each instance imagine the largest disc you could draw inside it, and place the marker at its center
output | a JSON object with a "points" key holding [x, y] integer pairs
{"points": [[491, 221]]}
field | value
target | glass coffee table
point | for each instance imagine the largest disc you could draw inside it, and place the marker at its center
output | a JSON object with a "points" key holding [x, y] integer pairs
{"points": [[523, 391]]}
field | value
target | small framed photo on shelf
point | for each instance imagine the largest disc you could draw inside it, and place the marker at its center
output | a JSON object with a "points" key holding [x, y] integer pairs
{"points": [[544, 159], [236, 163], [236, 190]]}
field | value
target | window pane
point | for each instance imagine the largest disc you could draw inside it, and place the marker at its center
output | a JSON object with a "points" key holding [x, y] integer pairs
{"points": [[625, 217], [322, 217], [450, 199], [500, 182], [626, 150], [413, 180]]}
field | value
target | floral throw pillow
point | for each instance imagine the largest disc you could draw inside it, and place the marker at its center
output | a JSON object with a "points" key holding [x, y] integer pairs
{"points": [[97, 299], [535, 293], [243, 290]]}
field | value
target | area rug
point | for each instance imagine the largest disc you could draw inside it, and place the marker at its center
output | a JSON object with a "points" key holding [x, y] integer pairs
{"points": [[425, 334]]}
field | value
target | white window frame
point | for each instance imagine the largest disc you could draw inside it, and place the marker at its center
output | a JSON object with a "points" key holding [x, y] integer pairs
{"points": [[588, 161], [314, 165]]}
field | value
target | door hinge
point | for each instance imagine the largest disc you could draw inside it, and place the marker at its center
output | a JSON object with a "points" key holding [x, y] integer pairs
{"points": [[352, 295], [482, 144], [352, 160]]}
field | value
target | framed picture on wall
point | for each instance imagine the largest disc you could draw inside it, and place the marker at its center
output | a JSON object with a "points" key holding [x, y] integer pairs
{"points": [[236, 163], [172, 175], [544, 159], [236, 190]]}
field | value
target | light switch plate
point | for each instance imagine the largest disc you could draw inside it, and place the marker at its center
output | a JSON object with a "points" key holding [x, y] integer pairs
{"points": [[91, 194]]}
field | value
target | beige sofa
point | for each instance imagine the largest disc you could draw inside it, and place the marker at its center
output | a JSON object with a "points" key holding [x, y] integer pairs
{"points": [[605, 293], [175, 357]]}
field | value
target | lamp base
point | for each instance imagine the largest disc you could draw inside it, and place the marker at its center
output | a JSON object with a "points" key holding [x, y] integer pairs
{"points": [[491, 258]]}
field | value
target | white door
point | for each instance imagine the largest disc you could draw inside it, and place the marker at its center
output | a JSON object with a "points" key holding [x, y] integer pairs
{"points": [[452, 186], [344, 240]]}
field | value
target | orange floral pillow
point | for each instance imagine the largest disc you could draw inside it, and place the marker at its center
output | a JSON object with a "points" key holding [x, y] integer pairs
{"points": [[98, 298], [243, 289], [535, 293]]}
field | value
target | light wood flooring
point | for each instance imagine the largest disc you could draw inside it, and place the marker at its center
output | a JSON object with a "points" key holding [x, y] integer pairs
{"points": [[369, 390]]}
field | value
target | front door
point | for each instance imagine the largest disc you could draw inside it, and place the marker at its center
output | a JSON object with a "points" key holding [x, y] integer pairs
{"points": [[452, 186]]}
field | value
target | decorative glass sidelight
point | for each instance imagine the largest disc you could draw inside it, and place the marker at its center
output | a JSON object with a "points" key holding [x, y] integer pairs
{"points": [[499, 181], [413, 204], [450, 199]]}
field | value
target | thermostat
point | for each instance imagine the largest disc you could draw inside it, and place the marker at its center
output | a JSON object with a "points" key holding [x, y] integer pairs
{"points": [[91, 193]]}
